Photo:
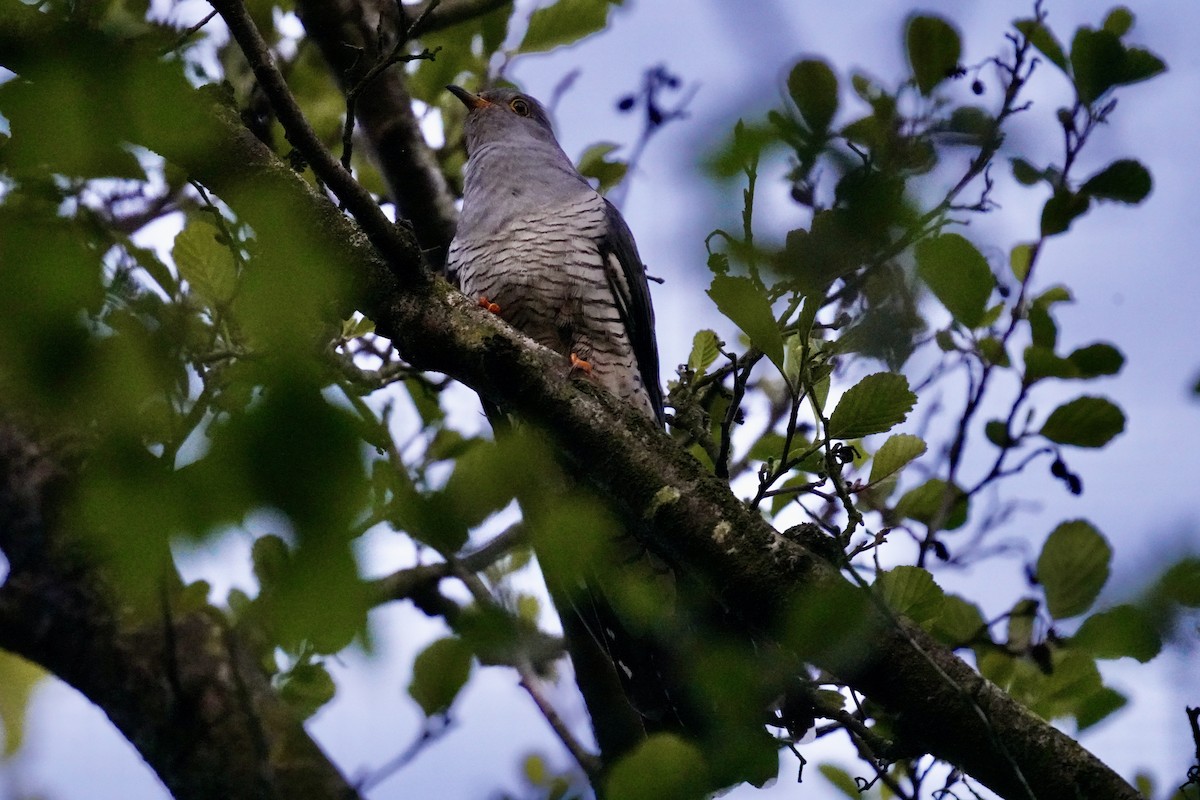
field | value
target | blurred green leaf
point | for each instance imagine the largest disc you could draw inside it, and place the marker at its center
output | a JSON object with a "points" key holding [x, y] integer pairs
{"points": [[841, 780], [1061, 209], [1044, 40], [18, 678], [814, 89], [1181, 583], [1121, 631], [1119, 21], [1072, 568], [1125, 181], [1097, 706], [439, 672], [933, 48], [894, 455], [1096, 58], [958, 275], [911, 591], [1097, 359], [746, 304], [875, 404], [595, 163], [305, 687], [663, 766], [1084, 422], [925, 502], [564, 22], [1025, 173]]}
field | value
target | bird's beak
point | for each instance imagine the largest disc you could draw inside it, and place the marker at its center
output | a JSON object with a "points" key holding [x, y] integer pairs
{"points": [[471, 101]]}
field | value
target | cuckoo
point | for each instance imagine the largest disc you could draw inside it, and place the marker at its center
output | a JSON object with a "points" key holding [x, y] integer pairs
{"points": [[539, 246]]}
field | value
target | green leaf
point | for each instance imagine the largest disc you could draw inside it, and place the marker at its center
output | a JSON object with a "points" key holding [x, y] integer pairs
{"points": [[1020, 259], [1096, 59], [746, 304], [1140, 65], [933, 50], [1044, 40], [875, 404], [1025, 173], [1061, 209], [594, 163], [1124, 180], [911, 591], [1181, 583], [1084, 422], [1096, 360], [1121, 631], [841, 780], [306, 687], [205, 263], [1119, 21], [1073, 568], [438, 673], [958, 622], [997, 433], [564, 22], [1041, 362], [18, 678], [924, 503], [1097, 706], [895, 454], [705, 349], [814, 88], [662, 766], [957, 274]]}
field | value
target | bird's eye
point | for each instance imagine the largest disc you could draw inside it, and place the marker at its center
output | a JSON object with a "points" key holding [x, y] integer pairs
{"points": [[519, 107]]}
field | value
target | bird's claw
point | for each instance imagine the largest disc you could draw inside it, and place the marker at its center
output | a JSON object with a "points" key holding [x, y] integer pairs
{"points": [[488, 305], [578, 363]]}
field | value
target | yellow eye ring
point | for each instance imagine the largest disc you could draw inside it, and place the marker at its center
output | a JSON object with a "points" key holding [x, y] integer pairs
{"points": [[519, 107]]}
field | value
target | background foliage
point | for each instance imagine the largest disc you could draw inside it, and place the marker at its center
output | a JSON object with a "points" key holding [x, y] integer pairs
{"points": [[886, 381]]}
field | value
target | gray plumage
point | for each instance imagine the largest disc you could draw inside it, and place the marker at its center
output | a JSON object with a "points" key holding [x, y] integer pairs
{"points": [[536, 240]]}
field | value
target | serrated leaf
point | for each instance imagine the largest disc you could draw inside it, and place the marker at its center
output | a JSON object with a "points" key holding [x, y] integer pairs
{"points": [[1124, 180], [814, 88], [746, 304], [895, 454], [664, 765], [595, 163], [1121, 631], [564, 22], [706, 346], [1096, 360], [1044, 40], [911, 591], [18, 678], [875, 404], [439, 673], [925, 502], [933, 47], [205, 263], [1072, 568], [1084, 422], [957, 274]]}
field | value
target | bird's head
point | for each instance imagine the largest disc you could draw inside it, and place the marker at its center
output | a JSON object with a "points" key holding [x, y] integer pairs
{"points": [[503, 114]]}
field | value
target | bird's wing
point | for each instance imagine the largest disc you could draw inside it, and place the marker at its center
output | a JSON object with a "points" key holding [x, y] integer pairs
{"points": [[631, 293]]}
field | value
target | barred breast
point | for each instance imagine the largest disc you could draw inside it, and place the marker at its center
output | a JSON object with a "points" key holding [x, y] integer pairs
{"points": [[545, 269]]}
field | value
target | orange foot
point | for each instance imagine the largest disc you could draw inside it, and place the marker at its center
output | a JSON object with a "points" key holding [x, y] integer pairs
{"points": [[489, 305], [583, 366]]}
